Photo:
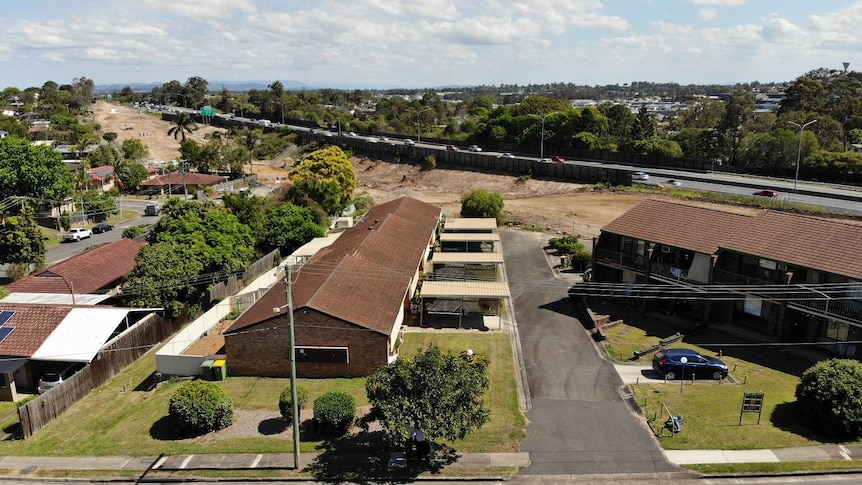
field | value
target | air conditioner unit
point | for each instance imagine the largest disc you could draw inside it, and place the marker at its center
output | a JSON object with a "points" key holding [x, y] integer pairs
{"points": [[665, 249], [782, 266]]}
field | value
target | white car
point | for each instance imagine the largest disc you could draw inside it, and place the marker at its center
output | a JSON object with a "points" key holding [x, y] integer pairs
{"points": [[675, 183], [77, 233], [474, 148], [408, 141], [640, 176], [505, 155]]}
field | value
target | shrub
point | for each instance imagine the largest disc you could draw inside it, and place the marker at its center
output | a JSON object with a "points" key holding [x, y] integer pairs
{"points": [[335, 411], [200, 407], [430, 162], [285, 402], [132, 232], [566, 244], [829, 398]]}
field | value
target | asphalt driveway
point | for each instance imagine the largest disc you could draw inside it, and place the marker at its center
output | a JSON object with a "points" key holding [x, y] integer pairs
{"points": [[578, 423]]}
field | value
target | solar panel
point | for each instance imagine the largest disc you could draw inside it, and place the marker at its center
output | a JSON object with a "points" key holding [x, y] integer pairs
{"points": [[4, 332], [5, 315]]}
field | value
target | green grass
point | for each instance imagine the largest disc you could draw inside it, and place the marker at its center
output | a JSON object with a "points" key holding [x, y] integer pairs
{"points": [[116, 419], [621, 341], [775, 468]]}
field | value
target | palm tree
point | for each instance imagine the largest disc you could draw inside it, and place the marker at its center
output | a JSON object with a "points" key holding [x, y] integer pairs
{"points": [[183, 124]]}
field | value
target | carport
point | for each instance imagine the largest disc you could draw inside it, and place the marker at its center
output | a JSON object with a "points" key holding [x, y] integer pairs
{"points": [[470, 224], [466, 266], [470, 242], [484, 296]]}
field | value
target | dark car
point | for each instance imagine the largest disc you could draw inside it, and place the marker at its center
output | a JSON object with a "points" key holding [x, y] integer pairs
{"points": [[103, 227], [451, 148], [683, 363], [767, 193]]}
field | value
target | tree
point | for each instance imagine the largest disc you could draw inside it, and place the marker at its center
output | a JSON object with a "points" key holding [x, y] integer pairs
{"points": [[482, 203], [200, 407], [656, 145], [804, 94], [134, 149], [644, 125], [130, 174], [98, 205], [22, 240], [287, 227], [324, 177], [109, 136], [829, 398], [183, 124], [285, 402], [442, 392], [32, 171]]}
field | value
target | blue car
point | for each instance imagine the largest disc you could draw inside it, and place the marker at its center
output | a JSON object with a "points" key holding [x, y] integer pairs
{"points": [[683, 363]]}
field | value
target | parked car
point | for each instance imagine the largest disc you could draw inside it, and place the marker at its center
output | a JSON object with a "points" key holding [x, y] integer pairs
{"points": [[102, 227], [505, 155], [77, 233], [408, 141], [674, 182], [451, 148], [474, 148], [558, 159], [57, 376], [683, 363], [767, 193], [640, 176]]}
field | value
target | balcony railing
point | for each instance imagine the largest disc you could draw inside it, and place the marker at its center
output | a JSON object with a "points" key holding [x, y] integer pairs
{"points": [[729, 278], [627, 260]]}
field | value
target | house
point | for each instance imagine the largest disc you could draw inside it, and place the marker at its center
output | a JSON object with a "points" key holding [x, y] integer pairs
{"points": [[177, 182], [349, 300], [787, 276], [101, 178]]}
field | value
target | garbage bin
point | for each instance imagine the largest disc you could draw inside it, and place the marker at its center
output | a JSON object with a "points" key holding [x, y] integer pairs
{"points": [[207, 370], [219, 370]]}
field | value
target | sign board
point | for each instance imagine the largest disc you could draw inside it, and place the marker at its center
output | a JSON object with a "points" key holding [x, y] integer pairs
{"points": [[207, 111], [752, 402]]}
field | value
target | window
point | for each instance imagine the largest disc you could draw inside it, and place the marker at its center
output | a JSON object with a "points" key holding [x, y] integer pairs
{"points": [[323, 355]]}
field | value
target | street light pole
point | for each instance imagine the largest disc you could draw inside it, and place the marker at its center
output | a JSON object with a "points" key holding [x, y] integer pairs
{"points": [[542, 145], [288, 274], [418, 122], [799, 150]]}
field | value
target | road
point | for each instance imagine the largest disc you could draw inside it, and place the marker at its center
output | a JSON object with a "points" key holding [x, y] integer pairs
{"points": [[578, 423]]}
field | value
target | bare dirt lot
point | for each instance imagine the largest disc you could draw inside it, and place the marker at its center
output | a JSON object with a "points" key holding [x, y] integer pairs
{"points": [[554, 206]]}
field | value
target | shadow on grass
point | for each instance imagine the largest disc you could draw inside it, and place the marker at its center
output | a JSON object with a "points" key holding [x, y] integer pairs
{"points": [[784, 417], [165, 429], [272, 426]]}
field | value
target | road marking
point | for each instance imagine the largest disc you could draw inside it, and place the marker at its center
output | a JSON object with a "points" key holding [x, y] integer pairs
{"points": [[186, 461], [160, 462], [843, 451], [256, 461]]}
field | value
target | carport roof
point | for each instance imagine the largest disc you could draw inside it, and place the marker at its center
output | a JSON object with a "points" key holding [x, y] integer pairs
{"points": [[464, 289], [469, 237], [466, 258], [470, 223]]}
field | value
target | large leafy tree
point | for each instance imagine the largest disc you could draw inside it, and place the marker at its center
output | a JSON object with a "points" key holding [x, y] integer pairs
{"points": [[130, 174], [324, 178], [134, 149], [183, 124], [442, 392], [22, 241], [829, 398], [287, 227], [32, 171], [804, 94], [483, 203], [250, 211]]}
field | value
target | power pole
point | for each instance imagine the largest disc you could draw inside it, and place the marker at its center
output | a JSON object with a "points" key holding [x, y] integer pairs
{"points": [[288, 274]]}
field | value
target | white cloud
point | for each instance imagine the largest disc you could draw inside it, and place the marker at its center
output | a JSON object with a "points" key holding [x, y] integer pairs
{"points": [[780, 30], [707, 14], [197, 10], [722, 3]]}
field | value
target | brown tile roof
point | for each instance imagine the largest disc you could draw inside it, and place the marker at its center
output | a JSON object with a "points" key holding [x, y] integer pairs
{"points": [[805, 241], [363, 277], [191, 178], [33, 324], [88, 272], [678, 225]]}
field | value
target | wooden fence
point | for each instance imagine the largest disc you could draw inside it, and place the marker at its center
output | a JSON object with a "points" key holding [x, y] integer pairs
{"points": [[234, 283], [110, 361]]}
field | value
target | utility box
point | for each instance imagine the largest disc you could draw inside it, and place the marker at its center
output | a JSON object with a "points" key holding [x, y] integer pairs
{"points": [[207, 370], [219, 370]]}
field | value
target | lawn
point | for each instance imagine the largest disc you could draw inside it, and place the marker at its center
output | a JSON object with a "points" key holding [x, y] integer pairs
{"points": [[117, 418]]}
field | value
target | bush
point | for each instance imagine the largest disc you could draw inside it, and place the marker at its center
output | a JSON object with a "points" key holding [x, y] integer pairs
{"points": [[200, 407], [285, 402], [829, 398], [566, 244], [132, 232], [335, 411], [430, 162]]}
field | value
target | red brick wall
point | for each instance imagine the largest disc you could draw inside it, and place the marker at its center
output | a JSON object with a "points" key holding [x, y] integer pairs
{"points": [[262, 350]]}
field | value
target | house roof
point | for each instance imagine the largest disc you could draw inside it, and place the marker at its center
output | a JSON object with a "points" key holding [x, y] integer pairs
{"points": [[32, 324], [805, 241], [100, 173], [362, 277], [191, 178], [683, 226], [86, 272]]}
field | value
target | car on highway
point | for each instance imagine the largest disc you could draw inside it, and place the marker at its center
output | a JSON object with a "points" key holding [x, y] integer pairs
{"points": [[350, 133], [102, 227], [640, 176], [313, 131], [558, 159], [77, 233], [505, 155], [684, 363], [674, 182], [382, 138], [408, 141], [474, 148], [451, 148], [545, 160], [768, 193], [56, 376]]}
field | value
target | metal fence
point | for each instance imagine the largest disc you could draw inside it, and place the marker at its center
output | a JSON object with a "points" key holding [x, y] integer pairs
{"points": [[234, 283]]}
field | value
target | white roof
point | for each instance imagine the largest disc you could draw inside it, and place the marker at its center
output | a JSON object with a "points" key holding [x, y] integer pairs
{"points": [[311, 248], [469, 237], [80, 336], [464, 289], [482, 258], [55, 298], [470, 223]]}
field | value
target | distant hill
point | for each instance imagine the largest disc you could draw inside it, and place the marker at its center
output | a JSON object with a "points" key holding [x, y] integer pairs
{"points": [[239, 86]]}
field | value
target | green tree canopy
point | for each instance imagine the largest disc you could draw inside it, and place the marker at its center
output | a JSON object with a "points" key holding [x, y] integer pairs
{"points": [[324, 177], [483, 203], [134, 149], [442, 392], [287, 227], [22, 240], [32, 171], [829, 398], [130, 174]]}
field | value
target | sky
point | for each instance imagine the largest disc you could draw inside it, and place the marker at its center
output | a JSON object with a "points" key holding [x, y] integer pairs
{"points": [[425, 43]]}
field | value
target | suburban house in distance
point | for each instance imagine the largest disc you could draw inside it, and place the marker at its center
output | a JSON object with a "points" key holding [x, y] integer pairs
{"points": [[177, 182], [350, 300], [790, 277]]}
